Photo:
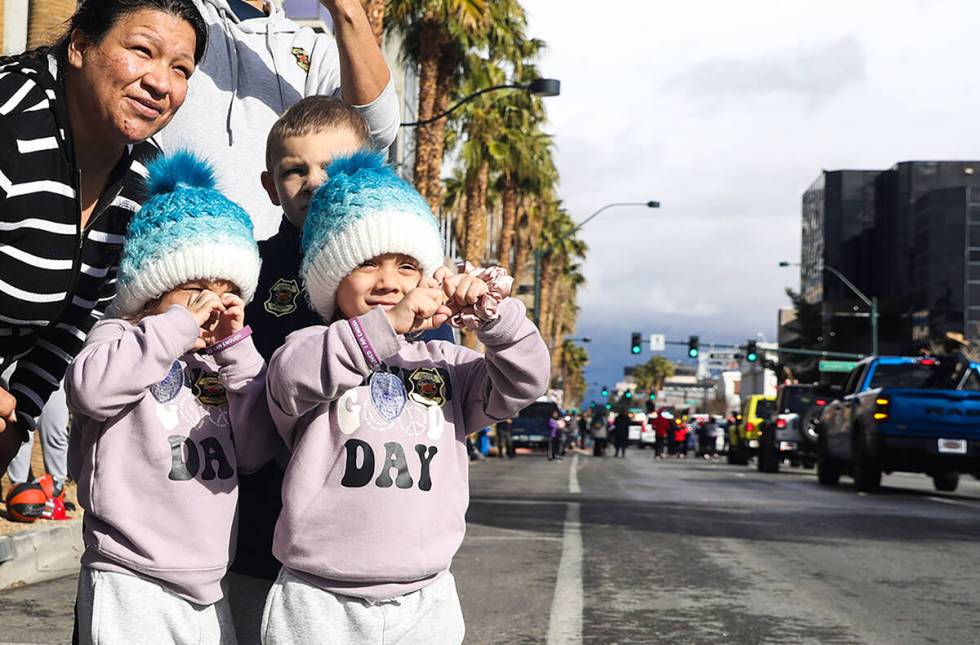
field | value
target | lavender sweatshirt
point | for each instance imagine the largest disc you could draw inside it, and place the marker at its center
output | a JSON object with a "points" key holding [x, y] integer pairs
{"points": [[375, 495], [159, 437]]}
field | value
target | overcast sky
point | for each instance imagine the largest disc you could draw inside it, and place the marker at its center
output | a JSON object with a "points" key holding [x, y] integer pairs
{"points": [[725, 112]]}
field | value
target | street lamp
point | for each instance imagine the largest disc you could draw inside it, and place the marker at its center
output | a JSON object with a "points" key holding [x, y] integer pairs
{"points": [[871, 302], [542, 87], [539, 252]]}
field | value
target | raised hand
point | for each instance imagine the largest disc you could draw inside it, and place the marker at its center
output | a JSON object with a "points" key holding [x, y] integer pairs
{"points": [[421, 309], [206, 307], [463, 290], [232, 319]]}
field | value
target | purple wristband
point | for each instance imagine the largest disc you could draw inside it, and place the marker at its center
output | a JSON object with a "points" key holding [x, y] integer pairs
{"points": [[229, 341], [362, 341]]}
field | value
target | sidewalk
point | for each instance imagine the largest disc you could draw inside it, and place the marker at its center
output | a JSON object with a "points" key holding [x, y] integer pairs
{"points": [[38, 554], [44, 550]]}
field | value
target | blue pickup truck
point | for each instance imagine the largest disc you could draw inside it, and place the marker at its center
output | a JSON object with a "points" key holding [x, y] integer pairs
{"points": [[903, 414]]}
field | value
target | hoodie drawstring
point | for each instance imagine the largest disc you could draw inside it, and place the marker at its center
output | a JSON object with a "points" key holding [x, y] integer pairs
{"points": [[275, 69], [232, 48]]}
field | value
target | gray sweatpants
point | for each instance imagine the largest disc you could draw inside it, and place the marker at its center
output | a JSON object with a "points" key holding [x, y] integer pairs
{"points": [[119, 608], [53, 426], [297, 612]]}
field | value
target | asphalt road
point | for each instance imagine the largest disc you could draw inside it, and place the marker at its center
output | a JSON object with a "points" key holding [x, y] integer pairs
{"points": [[642, 551]]}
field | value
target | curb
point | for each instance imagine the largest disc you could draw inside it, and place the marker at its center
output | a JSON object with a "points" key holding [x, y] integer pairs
{"points": [[40, 554]]}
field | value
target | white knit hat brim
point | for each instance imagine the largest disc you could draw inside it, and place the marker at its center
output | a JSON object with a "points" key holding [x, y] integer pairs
{"points": [[380, 233], [237, 263]]}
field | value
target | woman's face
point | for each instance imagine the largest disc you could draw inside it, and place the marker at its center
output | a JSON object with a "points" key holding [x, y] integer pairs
{"points": [[131, 83]]}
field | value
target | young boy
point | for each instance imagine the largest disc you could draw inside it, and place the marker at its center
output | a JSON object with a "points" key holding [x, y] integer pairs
{"points": [[300, 144]]}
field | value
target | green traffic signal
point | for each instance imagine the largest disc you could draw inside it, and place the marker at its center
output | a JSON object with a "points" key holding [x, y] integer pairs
{"points": [[605, 391], [751, 351], [693, 346], [609, 406], [629, 394], [636, 342]]}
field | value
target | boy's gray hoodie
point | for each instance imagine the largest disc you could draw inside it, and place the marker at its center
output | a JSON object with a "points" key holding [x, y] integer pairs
{"points": [[252, 71], [159, 436], [375, 495]]}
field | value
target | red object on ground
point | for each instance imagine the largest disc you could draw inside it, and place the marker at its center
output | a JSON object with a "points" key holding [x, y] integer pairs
{"points": [[26, 502]]}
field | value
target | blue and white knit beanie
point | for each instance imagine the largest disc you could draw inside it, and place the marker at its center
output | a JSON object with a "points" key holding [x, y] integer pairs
{"points": [[362, 211], [186, 230]]}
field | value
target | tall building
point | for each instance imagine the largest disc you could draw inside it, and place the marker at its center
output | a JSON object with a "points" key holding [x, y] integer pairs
{"points": [[897, 191], [902, 235], [945, 264], [838, 212], [837, 228]]}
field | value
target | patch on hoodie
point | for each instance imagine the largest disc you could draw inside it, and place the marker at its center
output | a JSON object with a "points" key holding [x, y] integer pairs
{"points": [[427, 386], [282, 298], [302, 58], [208, 389]]}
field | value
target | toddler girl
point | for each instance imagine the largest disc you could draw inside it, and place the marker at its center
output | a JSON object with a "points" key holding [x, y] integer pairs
{"points": [[376, 490], [169, 404]]}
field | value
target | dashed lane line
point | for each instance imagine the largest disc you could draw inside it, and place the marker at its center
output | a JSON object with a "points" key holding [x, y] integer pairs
{"points": [[573, 486], [565, 623]]}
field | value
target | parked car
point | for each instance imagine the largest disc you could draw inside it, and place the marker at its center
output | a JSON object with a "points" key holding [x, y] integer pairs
{"points": [[789, 432], [640, 427], [903, 414], [743, 439], [530, 429]]}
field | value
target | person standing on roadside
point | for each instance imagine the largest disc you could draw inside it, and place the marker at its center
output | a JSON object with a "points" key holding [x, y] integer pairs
{"points": [[554, 437], [504, 446], [600, 433], [258, 64], [621, 432], [74, 132]]}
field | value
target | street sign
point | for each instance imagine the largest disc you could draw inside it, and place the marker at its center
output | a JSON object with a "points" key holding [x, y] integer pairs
{"points": [[723, 356], [837, 366], [658, 342]]}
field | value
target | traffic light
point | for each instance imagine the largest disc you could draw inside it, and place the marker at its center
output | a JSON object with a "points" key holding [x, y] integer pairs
{"points": [[609, 406], [751, 351], [605, 391], [693, 349], [629, 394], [635, 343]]}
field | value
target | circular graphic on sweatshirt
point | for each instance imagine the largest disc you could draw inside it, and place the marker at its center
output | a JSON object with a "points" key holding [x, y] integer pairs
{"points": [[168, 388]]}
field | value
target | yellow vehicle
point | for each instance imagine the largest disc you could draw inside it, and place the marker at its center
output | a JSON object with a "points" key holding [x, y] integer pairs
{"points": [[743, 439]]}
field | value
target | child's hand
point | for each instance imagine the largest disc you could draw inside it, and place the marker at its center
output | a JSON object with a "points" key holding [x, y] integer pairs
{"points": [[462, 290], [421, 309], [231, 320], [206, 308]]}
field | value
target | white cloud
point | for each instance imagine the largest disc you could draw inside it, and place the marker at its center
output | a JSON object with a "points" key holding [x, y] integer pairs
{"points": [[726, 112]]}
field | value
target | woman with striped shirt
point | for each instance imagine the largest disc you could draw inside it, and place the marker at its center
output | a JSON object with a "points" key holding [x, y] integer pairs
{"points": [[75, 120]]}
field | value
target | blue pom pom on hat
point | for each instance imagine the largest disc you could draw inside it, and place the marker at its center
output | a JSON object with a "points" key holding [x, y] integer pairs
{"points": [[363, 210], [186, 230]]}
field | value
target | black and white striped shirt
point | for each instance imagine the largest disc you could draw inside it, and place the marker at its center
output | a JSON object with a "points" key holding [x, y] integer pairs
{"points": [[55, 277]]}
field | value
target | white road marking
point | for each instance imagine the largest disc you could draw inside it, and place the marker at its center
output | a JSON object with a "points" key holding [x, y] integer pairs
{"points": [[573, 486], [565, 624], [541, 538], [952, 501]]}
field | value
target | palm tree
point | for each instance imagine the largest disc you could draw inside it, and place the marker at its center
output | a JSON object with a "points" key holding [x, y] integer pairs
{"points": [[479, 125], [436, 35], [46, 20], [561, 248], [574, 360]]}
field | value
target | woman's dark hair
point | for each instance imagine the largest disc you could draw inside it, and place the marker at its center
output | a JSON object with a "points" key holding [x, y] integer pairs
{"points": [[96, 18]]}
